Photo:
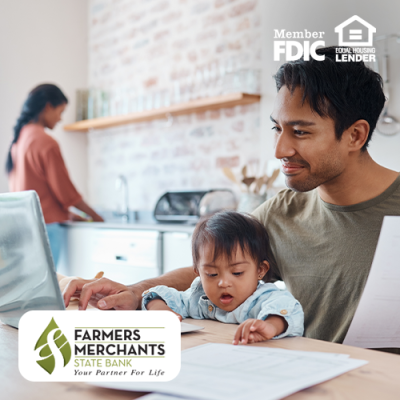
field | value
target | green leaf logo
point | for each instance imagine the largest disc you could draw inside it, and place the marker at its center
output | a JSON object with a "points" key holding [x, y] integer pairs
{"points": [[47, 362]]}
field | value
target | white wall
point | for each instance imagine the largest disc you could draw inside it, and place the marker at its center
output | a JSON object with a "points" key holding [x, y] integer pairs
{"points": [[315, 15], [43, 41], [145, 47]]}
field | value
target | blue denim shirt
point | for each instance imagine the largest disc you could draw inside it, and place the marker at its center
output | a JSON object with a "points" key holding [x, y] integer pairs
{"points": [[266, 300]]}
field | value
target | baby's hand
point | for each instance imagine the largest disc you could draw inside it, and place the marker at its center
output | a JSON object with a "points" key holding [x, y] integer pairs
{"points": [[257, 330], [158, 304]]}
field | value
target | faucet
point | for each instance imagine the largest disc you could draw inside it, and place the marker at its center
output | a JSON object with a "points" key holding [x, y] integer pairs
{"points": [[122, 183]]}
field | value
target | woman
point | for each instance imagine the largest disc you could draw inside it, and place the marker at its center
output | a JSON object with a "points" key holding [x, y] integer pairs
{"points": [[35, 162]]}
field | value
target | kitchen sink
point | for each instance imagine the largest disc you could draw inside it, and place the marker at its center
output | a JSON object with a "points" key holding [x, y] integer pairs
{"points": [[135, 217]]}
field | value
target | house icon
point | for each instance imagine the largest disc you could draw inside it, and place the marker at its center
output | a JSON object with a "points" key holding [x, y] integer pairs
{"points": [[354, 30]]}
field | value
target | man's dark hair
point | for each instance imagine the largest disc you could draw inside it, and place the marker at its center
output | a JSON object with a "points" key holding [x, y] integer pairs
{"points": [[343, 91], [227, 229]]}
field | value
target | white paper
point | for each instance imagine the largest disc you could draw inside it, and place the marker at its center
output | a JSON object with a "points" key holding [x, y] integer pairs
{"points": [[376, 322], [159, 396], [222, 371], [186, 328]]}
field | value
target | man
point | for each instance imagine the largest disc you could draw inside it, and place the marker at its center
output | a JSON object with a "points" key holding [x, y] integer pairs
{"points": [[325, 228]]}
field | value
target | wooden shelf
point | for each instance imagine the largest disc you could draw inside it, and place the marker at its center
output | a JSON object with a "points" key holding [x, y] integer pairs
{"points": [[194, 106]]}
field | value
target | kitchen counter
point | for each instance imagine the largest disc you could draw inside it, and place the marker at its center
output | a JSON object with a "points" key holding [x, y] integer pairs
{"points": [[139, 225], [138, 220]]}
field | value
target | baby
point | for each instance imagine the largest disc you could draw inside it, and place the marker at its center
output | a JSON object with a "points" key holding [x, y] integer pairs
{"points": [[230, 257]]}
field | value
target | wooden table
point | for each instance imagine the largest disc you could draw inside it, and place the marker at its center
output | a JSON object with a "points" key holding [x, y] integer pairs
{"points": [[379, 379]]}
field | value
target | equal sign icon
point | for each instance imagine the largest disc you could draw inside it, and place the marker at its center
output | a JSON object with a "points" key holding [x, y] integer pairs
{"points": [[355, 34]]}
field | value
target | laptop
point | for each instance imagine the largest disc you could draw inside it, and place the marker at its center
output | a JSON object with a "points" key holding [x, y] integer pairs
{"points": [[28, 280]]}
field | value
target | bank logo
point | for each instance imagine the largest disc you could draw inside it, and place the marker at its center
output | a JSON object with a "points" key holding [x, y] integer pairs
{"points": [[355, 32], [52, 337], [75, 346], [295, 49]]}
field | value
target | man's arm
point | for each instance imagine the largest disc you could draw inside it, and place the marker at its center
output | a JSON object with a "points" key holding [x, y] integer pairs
{"points": [[179, 279], [106, 294]]}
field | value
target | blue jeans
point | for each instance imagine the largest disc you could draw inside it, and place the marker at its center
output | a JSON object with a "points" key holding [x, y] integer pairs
{"points": [[55, 234]]}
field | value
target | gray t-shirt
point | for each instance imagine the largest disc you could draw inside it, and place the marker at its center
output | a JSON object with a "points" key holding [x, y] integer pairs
{"points": [[323, 252]]}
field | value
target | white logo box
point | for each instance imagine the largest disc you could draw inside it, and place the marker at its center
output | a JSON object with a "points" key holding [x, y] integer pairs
{"points": [[121, 346]]}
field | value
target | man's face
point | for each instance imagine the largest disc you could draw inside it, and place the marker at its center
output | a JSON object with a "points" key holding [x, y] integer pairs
{"points": [[305, 143]]}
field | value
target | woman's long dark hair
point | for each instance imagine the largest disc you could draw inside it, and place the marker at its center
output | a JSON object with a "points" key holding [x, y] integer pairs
{"points": [[33, 106]]}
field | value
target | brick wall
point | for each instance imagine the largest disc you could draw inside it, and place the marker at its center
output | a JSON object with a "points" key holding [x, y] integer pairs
{"points": [[147, 46]]}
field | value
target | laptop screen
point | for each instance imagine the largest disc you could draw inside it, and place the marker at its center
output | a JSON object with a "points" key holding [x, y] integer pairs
{"points": [[28, 280]]}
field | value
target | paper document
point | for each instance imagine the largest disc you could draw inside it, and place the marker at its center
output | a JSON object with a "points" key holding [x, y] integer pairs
{"points": [[223, 371], [186, 328], [376, 322], [159, 396]]}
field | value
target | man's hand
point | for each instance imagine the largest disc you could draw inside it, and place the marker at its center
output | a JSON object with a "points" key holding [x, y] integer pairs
{"points": [[101, 293], [158, 304], [257, 330]]}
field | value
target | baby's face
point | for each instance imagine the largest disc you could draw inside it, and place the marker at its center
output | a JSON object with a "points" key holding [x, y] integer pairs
{"points": [[229, 283]]}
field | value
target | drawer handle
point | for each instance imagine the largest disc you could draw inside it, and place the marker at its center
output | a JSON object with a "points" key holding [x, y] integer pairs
{"points": [[121, 258]]}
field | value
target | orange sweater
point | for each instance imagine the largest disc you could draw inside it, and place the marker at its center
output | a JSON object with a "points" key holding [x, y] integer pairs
{"points": [[39, 166]]}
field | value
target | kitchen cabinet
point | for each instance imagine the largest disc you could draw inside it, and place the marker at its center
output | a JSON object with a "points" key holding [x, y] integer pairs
{"points": [[125, 256], [177, 250]]}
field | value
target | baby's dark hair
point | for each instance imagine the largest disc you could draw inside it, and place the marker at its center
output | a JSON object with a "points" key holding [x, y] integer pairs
{"points": [[227, 229]]}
